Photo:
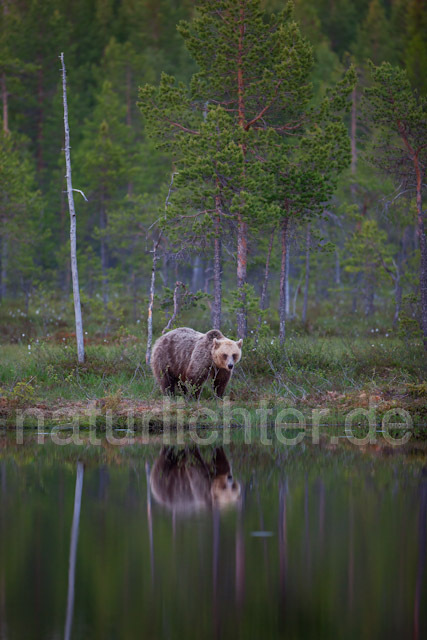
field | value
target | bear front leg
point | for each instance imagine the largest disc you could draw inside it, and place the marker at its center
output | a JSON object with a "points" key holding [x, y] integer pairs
{"points": [[168, 383], [221, 380], [196, 376]]}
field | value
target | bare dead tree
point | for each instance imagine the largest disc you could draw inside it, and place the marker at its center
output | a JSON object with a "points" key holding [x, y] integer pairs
{"points": [[74, 270], [156, 244], [176, 304]]}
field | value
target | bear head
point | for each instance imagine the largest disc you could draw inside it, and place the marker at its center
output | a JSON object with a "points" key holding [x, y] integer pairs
{"points": [[225, 490], [226, 353]]}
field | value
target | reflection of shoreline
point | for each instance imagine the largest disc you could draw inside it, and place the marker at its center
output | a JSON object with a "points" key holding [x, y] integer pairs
{"points": [[174, 421], [183, 481]]}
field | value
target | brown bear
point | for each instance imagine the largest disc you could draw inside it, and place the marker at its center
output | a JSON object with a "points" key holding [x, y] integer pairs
{"points": [[186, 358], [183, 481]]}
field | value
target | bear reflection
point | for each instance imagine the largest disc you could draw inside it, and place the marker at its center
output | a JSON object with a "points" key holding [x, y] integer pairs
{"points": [[184, 481]]}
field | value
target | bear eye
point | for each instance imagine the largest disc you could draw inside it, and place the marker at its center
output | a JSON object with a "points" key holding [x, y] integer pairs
{"points": [[224, 355], [234, 356]]}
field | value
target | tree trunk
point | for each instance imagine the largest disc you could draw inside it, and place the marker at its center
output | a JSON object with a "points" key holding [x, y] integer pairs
{"points": [[353, 142], [369, 297], [217, 273], [337, 267], [287, 288], [282, 299], [4, 261], [242, 257], [4, 97], [41, 107], [397, 298], [104, 256], [423, 252], [151, 301], [242, 226], [307, 274], [74, 271], [263, 297], [129, 85], [153, 282]]}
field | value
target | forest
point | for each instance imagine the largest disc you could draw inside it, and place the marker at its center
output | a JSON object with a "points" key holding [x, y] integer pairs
{"points": [[254, 166]]}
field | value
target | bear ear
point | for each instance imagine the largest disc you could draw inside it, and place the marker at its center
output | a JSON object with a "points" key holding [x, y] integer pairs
{"points": [[239, 343], [215, 342]]}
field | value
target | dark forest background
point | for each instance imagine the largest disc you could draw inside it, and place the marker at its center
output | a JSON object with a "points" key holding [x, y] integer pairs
{"points": [[354, 268]]}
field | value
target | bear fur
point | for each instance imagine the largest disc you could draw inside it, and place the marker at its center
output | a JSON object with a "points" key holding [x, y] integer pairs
{"points": [[183, 481], [187, 356]]}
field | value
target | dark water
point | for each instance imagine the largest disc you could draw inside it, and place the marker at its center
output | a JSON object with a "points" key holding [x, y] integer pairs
{"points": [[249, 542]]}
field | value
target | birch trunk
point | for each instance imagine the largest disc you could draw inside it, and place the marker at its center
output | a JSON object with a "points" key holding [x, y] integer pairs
{"points": [[153, 283], [151, 301], [74, 271], [282, 299]]}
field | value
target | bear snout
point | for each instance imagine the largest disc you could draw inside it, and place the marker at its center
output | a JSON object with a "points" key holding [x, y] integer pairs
{"points": [[230, 365]]}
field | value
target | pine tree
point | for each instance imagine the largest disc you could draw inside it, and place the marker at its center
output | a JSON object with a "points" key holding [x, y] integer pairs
{"points": [[399, 116]]}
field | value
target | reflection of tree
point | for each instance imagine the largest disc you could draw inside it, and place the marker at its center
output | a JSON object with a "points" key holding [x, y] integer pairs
{"points": [[240, 555], [283, 547], [150, 521], [350, 550], [73, 549], [3, 626], [422, 544]]}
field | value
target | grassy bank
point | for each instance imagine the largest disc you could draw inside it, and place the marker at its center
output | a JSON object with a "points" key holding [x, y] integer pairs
{"points": [[340, 374]]}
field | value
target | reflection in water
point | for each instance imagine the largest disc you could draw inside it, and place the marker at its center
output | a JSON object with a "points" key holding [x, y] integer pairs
{"points": [[183, 481], [345, 556], [150, 521], [73, 549], [422, 545]]}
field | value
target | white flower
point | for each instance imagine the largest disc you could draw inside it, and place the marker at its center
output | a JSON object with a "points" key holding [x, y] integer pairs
{"points": [[29, 347], [23, 335], [386, 335], [85, 333]]}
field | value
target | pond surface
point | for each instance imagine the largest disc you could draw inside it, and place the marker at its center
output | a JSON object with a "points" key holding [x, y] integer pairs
{"points": [[242, 542]]}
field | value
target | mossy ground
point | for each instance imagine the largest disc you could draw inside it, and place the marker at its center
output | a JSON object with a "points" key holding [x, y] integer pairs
{"points": [[341, 374]]}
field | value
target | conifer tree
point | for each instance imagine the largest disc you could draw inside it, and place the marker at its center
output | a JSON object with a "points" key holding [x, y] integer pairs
{"points": [[399, 116], [256, 69]]}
